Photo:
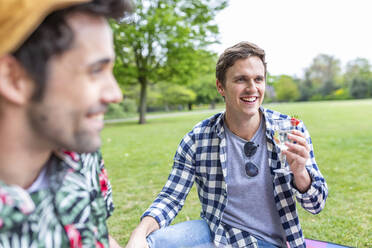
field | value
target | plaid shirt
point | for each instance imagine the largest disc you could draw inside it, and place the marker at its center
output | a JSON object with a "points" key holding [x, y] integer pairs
{"points": [[201, 158]]}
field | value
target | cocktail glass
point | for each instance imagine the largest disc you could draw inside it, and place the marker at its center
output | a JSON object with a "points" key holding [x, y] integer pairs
{"points": [[281, 130]]}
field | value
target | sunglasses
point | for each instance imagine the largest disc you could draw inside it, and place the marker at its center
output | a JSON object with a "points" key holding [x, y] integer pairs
{"points": [[250, 149]]}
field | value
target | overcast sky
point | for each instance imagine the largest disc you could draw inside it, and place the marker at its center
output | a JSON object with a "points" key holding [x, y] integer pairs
{"points": [[293, 32]]}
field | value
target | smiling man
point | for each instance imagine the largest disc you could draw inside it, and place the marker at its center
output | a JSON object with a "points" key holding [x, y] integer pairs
{"points": [[56, 59], [246, 193]]}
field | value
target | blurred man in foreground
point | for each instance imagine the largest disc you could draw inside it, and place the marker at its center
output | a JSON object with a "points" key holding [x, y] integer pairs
{"points": [[56, 59], [247, 193]]}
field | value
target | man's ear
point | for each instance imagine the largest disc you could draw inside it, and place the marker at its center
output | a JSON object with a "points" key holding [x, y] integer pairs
{"points": [[220, 88], [15, 85]]}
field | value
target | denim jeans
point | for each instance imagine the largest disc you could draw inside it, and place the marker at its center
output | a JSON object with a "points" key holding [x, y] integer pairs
{"points": [[193, 233]]}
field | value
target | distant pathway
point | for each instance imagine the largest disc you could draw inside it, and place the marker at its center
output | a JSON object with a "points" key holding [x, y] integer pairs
{"points": [[165, 115]]}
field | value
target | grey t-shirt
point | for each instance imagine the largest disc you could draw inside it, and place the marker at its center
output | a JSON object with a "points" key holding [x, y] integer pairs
{"points": [[250, 200]]}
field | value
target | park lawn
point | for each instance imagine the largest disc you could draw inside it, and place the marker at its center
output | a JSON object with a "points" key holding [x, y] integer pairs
{"points": [[139, 157]]}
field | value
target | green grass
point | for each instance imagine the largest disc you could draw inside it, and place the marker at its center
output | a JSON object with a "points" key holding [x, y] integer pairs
{"points": [[139, 158]]}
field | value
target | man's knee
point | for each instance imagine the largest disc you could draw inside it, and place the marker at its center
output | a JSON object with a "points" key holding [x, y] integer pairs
{"points": [[194, 233]]}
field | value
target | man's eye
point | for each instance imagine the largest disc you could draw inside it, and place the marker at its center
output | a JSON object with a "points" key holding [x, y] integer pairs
{"points": [[259, 79], [96, 70]]}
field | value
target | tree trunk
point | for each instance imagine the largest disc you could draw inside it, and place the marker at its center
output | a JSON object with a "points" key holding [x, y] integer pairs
{"points": [[213, 104], [190, 106], [143, 107]]}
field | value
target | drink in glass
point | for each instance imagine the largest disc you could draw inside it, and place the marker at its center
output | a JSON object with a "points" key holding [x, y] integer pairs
{"points": [[281, 130]]}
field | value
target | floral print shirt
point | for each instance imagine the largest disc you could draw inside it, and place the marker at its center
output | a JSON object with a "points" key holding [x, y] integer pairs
{"points": [[71, 212]]}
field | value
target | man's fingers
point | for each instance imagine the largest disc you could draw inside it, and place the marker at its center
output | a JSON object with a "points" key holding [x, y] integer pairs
{"points": [[301, 150], [299, 138]]}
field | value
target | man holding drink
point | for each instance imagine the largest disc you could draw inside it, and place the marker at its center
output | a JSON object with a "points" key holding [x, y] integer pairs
{"points": [[247, 193]]}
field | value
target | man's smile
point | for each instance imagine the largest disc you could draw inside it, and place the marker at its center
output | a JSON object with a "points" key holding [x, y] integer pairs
{"points": [[249, 99]]}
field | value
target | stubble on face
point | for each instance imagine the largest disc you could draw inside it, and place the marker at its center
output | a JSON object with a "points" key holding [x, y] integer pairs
{"points": [[70, 115], [55, 136]]}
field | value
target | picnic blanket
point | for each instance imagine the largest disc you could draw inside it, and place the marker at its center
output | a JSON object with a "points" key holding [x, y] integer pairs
{"points": [[310, 243]]}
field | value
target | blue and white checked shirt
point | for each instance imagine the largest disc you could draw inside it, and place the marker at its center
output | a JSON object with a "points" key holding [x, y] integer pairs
{"points": [[201, 158]]}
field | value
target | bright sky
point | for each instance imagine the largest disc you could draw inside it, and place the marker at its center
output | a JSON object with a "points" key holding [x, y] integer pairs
{"points": [[293, 32]]}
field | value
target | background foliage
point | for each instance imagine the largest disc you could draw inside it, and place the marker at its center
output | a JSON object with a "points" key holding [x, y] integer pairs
{"points": [[165, 41], [164, 62]]}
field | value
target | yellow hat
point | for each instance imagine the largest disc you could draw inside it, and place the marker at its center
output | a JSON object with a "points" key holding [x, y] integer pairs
{"points": [[19, 18]]}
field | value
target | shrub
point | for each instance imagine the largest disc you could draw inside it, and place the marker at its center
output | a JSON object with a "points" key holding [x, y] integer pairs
{"points": [[124, 109]]}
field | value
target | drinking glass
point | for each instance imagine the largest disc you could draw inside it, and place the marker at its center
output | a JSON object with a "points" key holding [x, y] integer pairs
{"points": [[281, 130]]}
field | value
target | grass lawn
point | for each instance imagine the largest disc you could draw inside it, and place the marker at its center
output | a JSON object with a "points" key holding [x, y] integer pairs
{"points": [[139, 158]]}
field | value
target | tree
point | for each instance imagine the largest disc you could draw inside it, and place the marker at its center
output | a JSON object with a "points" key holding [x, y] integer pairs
{"points": [[358, 78], [306, 88], [359, 88], [286, 89], [160, 42], [206, 91], [358, 68], [322, 77], [177, 95], [204, 85]]}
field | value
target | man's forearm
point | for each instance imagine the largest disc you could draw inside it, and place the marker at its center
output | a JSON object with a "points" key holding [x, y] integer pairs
{"points": [[302, 181], [147, 225], [138, 237]]}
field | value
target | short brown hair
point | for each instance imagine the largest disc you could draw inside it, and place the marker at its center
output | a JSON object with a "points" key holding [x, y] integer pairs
{"points": [[241, 50], [54, 36]]}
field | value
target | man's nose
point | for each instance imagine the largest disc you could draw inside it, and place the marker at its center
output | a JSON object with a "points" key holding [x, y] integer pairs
{"points": [[251, 85], [112, 92]]}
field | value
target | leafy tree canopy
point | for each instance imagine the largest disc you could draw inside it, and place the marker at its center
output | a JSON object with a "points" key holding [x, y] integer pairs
{"points": [[160, 42]]}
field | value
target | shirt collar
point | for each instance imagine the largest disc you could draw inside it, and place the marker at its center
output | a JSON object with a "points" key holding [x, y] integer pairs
{"points": [[267, 114], [219, 125], [71, 158]]}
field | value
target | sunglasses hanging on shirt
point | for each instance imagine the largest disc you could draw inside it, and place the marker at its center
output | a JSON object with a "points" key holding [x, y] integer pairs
{"points": [[250, 149]]}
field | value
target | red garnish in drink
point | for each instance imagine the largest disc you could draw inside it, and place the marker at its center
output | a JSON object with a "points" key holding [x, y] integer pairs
{"points": [[294, 122]]}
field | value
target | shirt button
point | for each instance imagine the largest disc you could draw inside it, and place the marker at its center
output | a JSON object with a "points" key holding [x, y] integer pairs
{"points": [[224, 193]]}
